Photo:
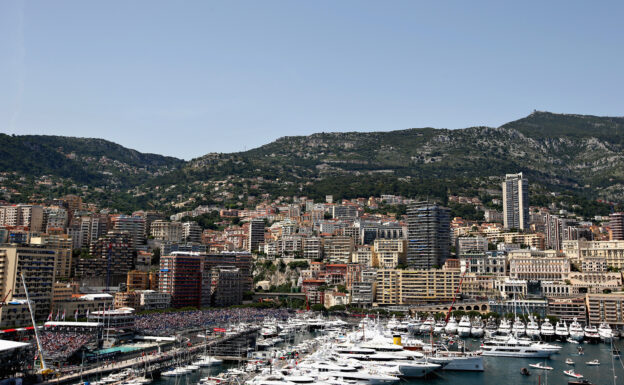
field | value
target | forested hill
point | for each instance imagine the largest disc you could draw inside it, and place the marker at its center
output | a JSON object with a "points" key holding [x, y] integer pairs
{"points": [[571, 154]]}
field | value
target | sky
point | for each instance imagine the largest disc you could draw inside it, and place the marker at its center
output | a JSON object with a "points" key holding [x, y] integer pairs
{"points": [[185, 78]]}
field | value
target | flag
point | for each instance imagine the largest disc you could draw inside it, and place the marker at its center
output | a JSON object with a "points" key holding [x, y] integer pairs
{"points": [[50, 317], [58, 314], [87, 313], [76, 315], [63, 315]]}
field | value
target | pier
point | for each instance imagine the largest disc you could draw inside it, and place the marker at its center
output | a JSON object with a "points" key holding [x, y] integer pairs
{"points": [[231, 348]]}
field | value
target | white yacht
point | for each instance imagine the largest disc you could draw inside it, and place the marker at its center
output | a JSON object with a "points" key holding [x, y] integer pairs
{"points": [[491, 328], [504, 328], [439, 327], [463, 329], [518, 328], [591, 333], [605, 332], [347, 373], [207, 361], [427, 326], [512, 347], [477, 330], [561, 331], [414, 325], [532, 328], [451, 326], [576, 331], [547, 330]]}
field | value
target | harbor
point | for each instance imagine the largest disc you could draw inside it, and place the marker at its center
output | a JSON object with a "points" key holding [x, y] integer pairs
{"points": [[314, 349]]}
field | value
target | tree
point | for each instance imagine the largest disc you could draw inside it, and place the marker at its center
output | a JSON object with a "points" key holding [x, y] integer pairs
{"points": [[318, 307], [156, 257]]}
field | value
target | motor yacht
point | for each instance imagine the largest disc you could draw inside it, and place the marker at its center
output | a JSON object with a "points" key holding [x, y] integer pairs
{"points": [[477, 330], [513, 347], [605, 332], [427, 326], [504, 328], [518, 328], [591, 333], [451, 326], [463, 329], [490, 327], [532, 328], [439, 327], [561, 331], [576, 332], [547, 331]]}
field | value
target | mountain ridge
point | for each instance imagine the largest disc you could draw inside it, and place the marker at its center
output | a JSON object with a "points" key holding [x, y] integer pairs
{"points": [[570, 153]]}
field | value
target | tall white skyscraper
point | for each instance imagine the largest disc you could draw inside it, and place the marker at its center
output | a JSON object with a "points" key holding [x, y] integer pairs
{"points": [[516, 202]]}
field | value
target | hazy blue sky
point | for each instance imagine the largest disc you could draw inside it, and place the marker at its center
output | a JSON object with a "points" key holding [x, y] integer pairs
{"points": [[185, 78]]}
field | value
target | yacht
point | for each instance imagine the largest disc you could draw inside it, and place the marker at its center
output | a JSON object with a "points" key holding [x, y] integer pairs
{"points": [[504, 328], [518, 328], [477, 330], [439, 327], [457, 360], [463, 329], [414, 325], [207, 361], [512, 347], [451, 326], [591, 333], [576, 331], [547, 331], [561, 331], [532, 328], [348, 373], [605, 332], [427, 326], [490, 327]]}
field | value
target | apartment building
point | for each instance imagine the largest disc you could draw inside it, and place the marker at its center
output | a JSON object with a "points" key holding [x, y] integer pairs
{"points": [[607, 308], [516, 202], [390, 253], [135, 226], [471, 244], [166, 231], [255, 235], [429, 235], [181, 278], [191, 232], [411, 287], [567, 309], [312, 248], [62, 244], [36, 262], [478, 262], [338, 249]]}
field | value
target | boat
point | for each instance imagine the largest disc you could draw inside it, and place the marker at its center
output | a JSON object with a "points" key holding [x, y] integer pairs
{"points": [[605, 332], [439, 327], [540, 366], [513, 347], [561, 331], [576, 331], [532, 328], [569, 361], [573, 341], [518, 328], [463, 329], [504, 328], [477, 330], [207, 361], [490, 327], [591, 333], [571, 373], [579, 382], [593, 363], [427, 326], [547, 331], [525, 372], [451, 326]]}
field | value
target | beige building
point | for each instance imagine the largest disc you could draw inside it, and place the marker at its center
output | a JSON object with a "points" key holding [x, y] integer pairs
{"points": [[607, 308], [407, 287], [536, 241], [338, 249], [37, 265], [62, 244], [538, 265], [611, 251], [364, 255], [167, 231], [389, 253]]}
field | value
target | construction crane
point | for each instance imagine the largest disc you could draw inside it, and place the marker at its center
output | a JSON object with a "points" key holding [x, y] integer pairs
{"points": [[461, 279], [44, 368], [5, 298]]}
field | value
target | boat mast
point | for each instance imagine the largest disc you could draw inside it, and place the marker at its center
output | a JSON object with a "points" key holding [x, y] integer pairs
{"points": [[44, 368]]}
